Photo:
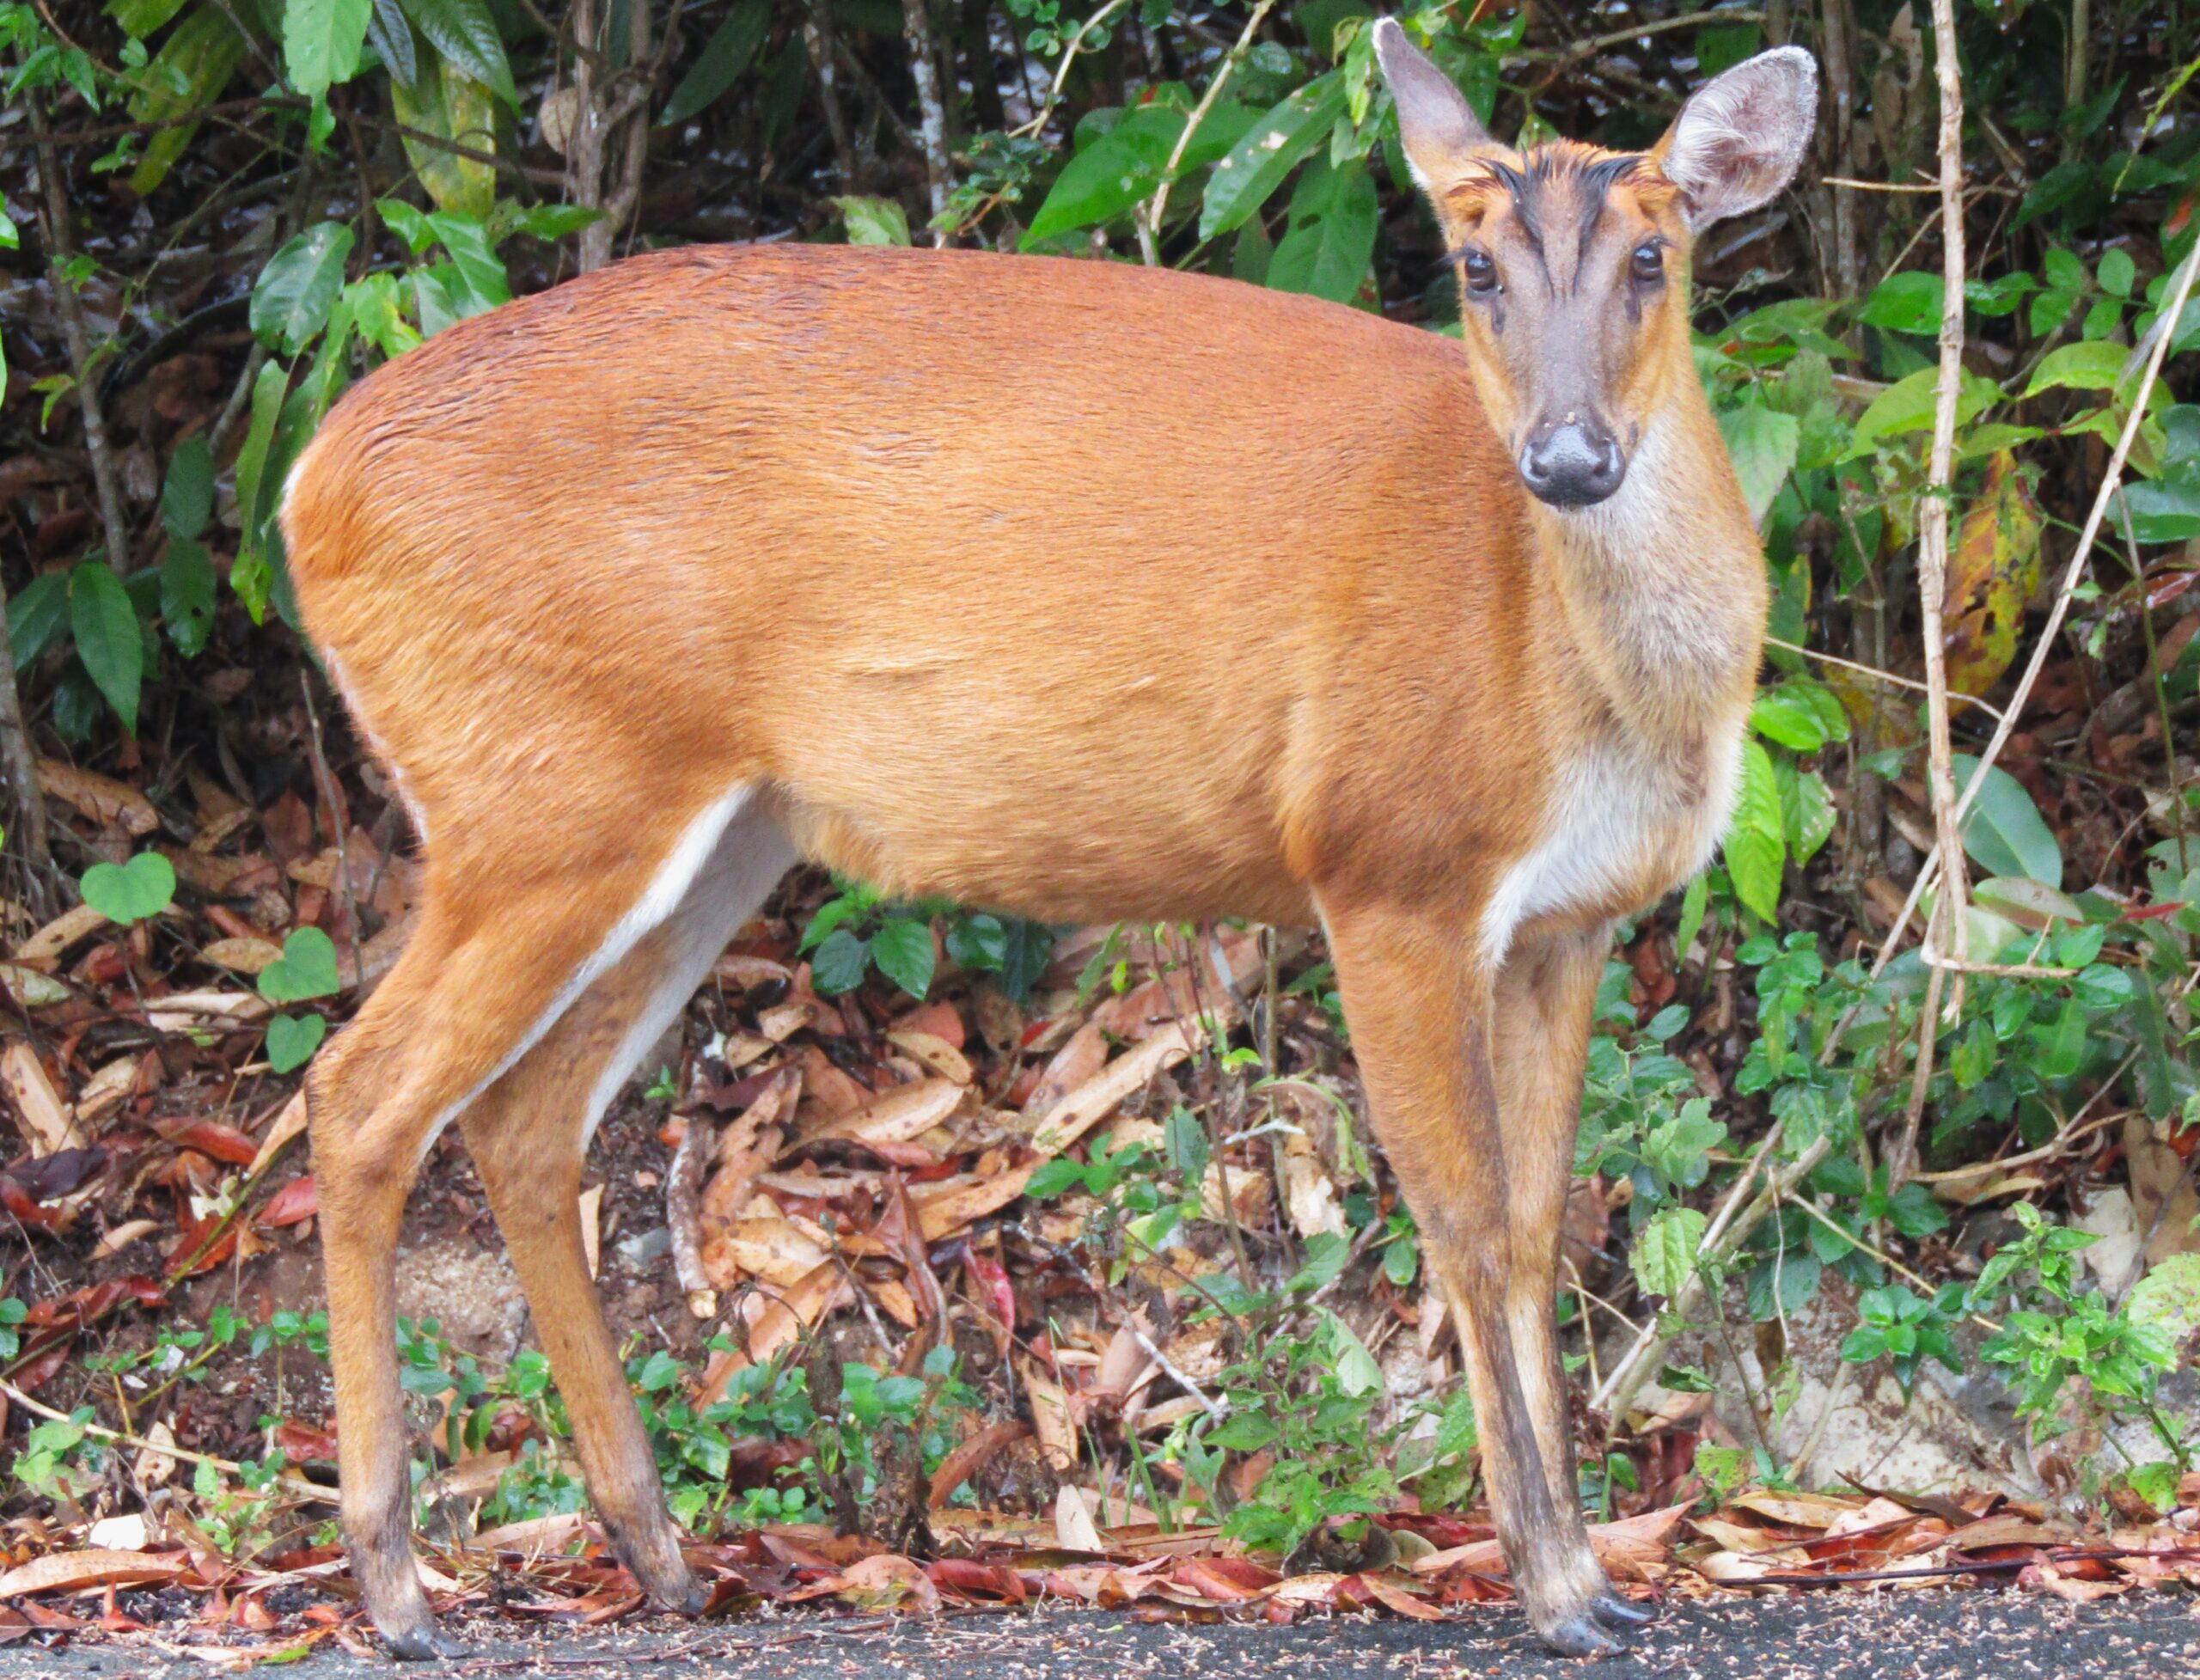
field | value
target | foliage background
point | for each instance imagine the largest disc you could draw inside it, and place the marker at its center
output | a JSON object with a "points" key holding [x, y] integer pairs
{"points": [[228, 210]]}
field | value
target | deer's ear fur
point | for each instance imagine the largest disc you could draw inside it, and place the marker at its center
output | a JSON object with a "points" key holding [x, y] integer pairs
{"points": [[1441, 132], [1739, 139]]}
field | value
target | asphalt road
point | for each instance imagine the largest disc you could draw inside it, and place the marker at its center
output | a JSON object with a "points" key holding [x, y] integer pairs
{"points": [[1826, 1635]]}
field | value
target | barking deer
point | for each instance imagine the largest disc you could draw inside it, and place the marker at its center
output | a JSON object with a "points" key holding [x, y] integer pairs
{"points": [[645, 588]]}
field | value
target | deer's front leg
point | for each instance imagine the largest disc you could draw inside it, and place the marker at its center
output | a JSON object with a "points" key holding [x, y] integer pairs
{"points": [[1419, 1000], [1545, 996]]}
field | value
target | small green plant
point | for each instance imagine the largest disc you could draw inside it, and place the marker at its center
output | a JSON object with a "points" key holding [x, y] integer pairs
{"points": [[2058, 1332], [307, 968], [240, 1519], [133, 892], [858, 928]]}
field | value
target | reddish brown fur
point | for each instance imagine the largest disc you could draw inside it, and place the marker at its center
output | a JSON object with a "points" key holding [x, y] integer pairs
{"points": [[1073, 589]]}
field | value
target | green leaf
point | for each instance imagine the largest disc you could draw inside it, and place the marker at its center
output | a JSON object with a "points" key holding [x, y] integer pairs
{"points": [[1244, 1431], [1756, 846], [903, 950], [2156, 1483], [291, 299], [37, 616], [728, 52], [1120, 168], [2098, 366], [291, 1041], [2168, 1297], [1331, 233], [391, 37], [192, 67], [1908, 301], [321, 41], [1907, 407], [840, 964], [2116, 271], [465, 32], [1764, 444], [188, 595], [130, 892], [478, 264], [307, 968], [1806, 811], [1250, 171], [1665, 1249], [1028, 949], [2003, 831], [874, 220], [108, 641], [188, 497], [1792, 717], [1356, 1371]]}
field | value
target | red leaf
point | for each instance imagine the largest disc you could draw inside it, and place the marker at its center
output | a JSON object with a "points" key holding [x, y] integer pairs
{"points": [[295, 1203], [211, 1137]]}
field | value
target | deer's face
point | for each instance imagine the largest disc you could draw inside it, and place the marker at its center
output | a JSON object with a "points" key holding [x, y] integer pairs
{"points": [[1573, 261]]}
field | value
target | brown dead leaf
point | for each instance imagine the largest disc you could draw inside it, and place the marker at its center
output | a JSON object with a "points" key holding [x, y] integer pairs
{"points": [[242, 956], [110, 804], [1050, 1416], [48, 945], [47, 1125], [1803, 1511], [896, 1116], [936, 1054], [1073, 1525], [72, 1572]]}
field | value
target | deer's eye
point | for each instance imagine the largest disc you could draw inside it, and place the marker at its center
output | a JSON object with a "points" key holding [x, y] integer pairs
{"points": [[1481, 272], [1647, 264]]}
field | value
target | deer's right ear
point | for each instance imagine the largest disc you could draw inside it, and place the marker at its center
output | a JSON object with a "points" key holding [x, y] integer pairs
{"points": [[1441, 129]]}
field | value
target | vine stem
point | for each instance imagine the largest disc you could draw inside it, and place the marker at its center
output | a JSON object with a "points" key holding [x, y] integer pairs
{"points": [[1152, 218], [1953, 932]]}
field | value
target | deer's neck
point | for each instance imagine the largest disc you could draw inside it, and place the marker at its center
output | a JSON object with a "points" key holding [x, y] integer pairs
{"points": [[1662, 587]]}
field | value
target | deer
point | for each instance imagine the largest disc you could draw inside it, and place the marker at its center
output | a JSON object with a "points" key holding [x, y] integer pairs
{"points": [[648, 587]]}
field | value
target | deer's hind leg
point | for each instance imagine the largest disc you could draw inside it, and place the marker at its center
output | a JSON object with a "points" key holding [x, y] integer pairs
{"points": [[495, 964], [529, 1135]]}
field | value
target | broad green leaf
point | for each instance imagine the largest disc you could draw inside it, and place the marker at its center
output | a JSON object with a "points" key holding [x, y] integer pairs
{"points": [[1268, 152], [37, 616], [2003, 831], [1756, 845], [1664, 1250], [142, 18], [1356, 1370], [840, 962], [321, 41], [391, 36], [487, 282], [1806, 809], [874, 220], [903, 950], [1122, 167], [130, 892], [1907, 407], [291, 1041], [2080, 367], [1331, 234], [192, 67], [728, 52], [2168, 1297], [291, 299], [1764, 444], [447, 103], [188, 595], [1908, 301], [108, 641], [188, 497], [465, 34], [307, 968]]}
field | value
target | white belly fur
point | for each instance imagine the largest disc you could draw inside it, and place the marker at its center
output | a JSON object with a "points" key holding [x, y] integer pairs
{"points": [[1615, 816]]}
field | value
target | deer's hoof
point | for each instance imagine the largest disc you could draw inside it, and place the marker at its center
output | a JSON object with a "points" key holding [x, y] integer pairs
{"points": [[426, 1644], [692, 1600], [1579, 1635], [1619, 1613]]}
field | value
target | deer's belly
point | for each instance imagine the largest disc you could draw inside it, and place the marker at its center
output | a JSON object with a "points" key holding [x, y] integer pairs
{"points": [[1623, 829]]}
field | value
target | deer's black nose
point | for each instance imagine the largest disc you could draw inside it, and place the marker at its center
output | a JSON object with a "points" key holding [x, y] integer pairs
{"points": [[1573, 462]]}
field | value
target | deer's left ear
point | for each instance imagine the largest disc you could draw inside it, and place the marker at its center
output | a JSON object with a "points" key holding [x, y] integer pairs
{"points": [[1738, 141]]}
